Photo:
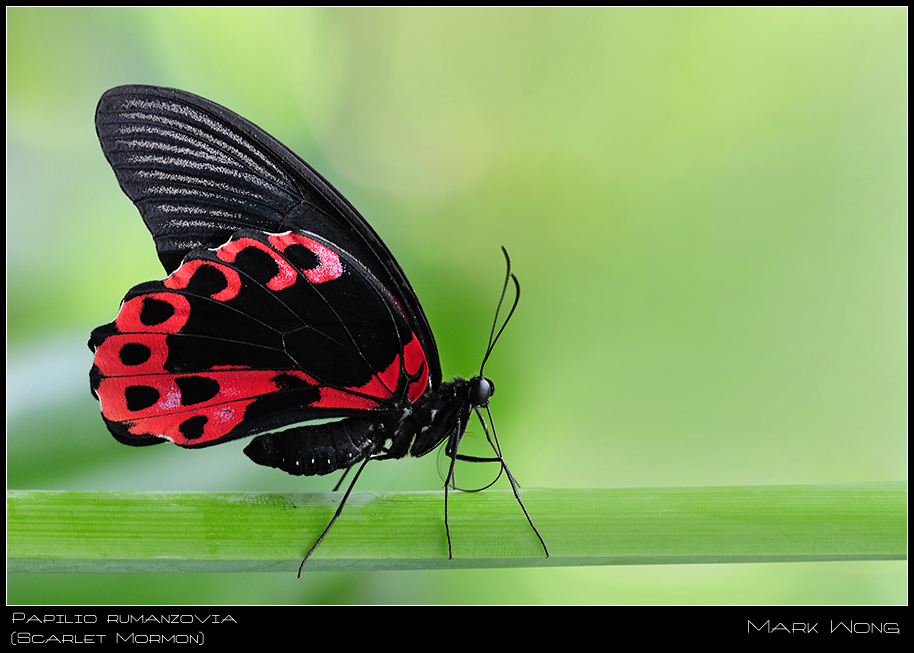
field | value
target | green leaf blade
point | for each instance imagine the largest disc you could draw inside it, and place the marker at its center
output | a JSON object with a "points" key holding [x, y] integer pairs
{"points": [[188, 532]]}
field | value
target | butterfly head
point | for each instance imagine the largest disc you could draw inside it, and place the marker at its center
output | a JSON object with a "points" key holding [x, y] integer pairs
{"points": [[481, 390]]}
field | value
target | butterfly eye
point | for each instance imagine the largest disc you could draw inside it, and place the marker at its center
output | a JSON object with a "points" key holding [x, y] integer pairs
{"points": [[481, 391]]}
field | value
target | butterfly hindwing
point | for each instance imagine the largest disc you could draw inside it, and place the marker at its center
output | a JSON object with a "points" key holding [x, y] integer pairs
{"points": [[265, 331]]}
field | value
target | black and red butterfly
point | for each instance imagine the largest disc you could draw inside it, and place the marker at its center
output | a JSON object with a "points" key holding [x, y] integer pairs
{"points": [[284, 315]]}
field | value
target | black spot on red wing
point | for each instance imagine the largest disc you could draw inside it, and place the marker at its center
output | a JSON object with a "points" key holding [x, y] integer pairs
{"points": [[256, 263], [207, 280], [192, 428], [140, 397], [134, 353], [155, 311], [291, 391], [196, 389], [301, 257], [290, 382]]}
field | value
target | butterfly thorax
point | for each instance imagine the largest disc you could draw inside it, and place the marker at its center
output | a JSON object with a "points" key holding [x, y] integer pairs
{"points": [[443, 414]]}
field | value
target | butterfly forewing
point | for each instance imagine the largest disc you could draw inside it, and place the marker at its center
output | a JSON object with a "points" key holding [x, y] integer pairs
{"points": [[194, 178], [199, 172]]}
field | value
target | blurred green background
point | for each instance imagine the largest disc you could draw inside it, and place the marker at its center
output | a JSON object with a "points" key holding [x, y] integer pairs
{"points": [[706, 209]]}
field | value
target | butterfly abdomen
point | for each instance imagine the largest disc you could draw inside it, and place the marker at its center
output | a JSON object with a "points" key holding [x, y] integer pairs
{"points": [[319, 449]]}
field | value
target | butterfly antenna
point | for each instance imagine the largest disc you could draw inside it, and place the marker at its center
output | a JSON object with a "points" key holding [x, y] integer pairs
{"points": [[493, 336], [339, 510]]}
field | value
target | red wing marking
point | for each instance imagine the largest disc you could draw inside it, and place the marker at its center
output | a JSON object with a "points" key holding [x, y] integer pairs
{"points": [[180, 278], [330, 266], [284, 278], [172, 313]]}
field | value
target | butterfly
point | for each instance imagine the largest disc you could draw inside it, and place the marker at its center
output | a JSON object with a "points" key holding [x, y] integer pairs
{"points": [[283, 316]]}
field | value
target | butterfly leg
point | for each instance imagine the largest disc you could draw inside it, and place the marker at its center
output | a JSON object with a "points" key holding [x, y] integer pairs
{"points": [[447, 482], [339, 510], [493, 440], [342, 478]]}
